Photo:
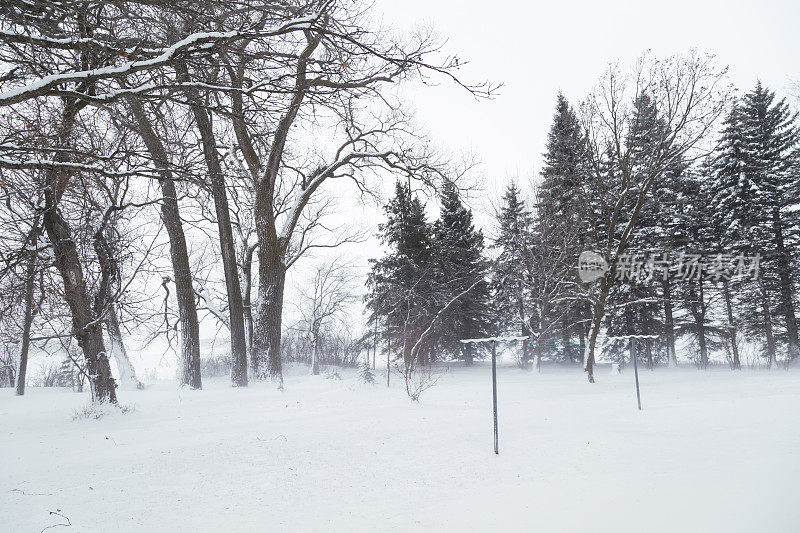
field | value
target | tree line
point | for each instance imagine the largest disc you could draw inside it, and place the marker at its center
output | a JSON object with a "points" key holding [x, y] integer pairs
{"points": [[689, 198], [148, 150], [196, 131]]}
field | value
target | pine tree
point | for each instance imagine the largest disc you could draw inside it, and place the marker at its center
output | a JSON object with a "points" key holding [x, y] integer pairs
{"points": [[565, 167], [366, 375], [509, 279], [563, 202], [638, 310], [662, 225], [403, 281], [695, 295], [461, 272], [772, 137], [753, 196]]}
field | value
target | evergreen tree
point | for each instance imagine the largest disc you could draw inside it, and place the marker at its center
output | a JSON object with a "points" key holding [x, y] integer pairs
{"points": [[637, 298], [694, 292], [565, 167], [509, 279], [772, 137], [403, 281], [563, 203], [461, 272], [663, 226], [754, 198]]}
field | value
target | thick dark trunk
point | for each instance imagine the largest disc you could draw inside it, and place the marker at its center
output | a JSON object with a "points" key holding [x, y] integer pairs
{"points": [[524, 330], [234, 291], [272, 247], [184, 288], [247, 277], [86, 327], [30, 285], [785, 286], [648, 347], [597, 322], [698, 306], [269, 310], [566, 339], [669, 324], [315, 356], [726, 292], [767, 313], [171, 217]]}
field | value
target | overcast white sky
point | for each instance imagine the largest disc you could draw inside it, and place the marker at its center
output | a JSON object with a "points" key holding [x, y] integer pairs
{"points": [[539, 48]]}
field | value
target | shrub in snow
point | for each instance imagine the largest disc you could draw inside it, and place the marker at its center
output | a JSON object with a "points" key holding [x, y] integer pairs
{"points": [[418, 379], [215, 366], [333, 374], [365, 375], [96, 411]]}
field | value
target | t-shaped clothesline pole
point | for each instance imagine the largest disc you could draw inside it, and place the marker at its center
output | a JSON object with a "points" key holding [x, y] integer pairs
{"points": [[494, 341], [633, 338]]}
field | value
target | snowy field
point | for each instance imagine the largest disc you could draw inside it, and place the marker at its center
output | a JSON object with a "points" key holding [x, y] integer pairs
{"points": [[711, 451]]}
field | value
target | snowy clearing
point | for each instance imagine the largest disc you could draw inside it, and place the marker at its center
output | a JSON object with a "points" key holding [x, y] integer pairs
{"points": [[711, 451]]}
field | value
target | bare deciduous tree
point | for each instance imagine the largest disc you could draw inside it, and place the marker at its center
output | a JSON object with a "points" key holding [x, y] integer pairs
{"points": [[324, 300], [689, 95]]}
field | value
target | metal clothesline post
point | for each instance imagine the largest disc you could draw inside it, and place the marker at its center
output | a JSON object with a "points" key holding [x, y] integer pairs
{"points": [[634, 356], [494, 341]]}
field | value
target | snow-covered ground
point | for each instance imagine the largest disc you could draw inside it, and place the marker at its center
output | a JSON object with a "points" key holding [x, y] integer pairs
{"points": [[711, 451]]}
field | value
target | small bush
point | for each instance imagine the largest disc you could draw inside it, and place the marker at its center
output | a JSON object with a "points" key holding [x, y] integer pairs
{"points": [[366, 375], [96, 411], [333, 374], [216, 366]]}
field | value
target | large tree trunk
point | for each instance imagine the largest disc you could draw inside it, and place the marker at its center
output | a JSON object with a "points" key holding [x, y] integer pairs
{"points": [[566, 338], [726, 292], [315, 355], [785, 285], [524, 330], [469, 358], [767, 313], [30, 285], [648, 345], [272, 247], [86, 327], [597, 322], [105, 306], [127, 374], [247, 277], [269, 310], [669, 324], [171, 217], [234, 291], [700, 322]]}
